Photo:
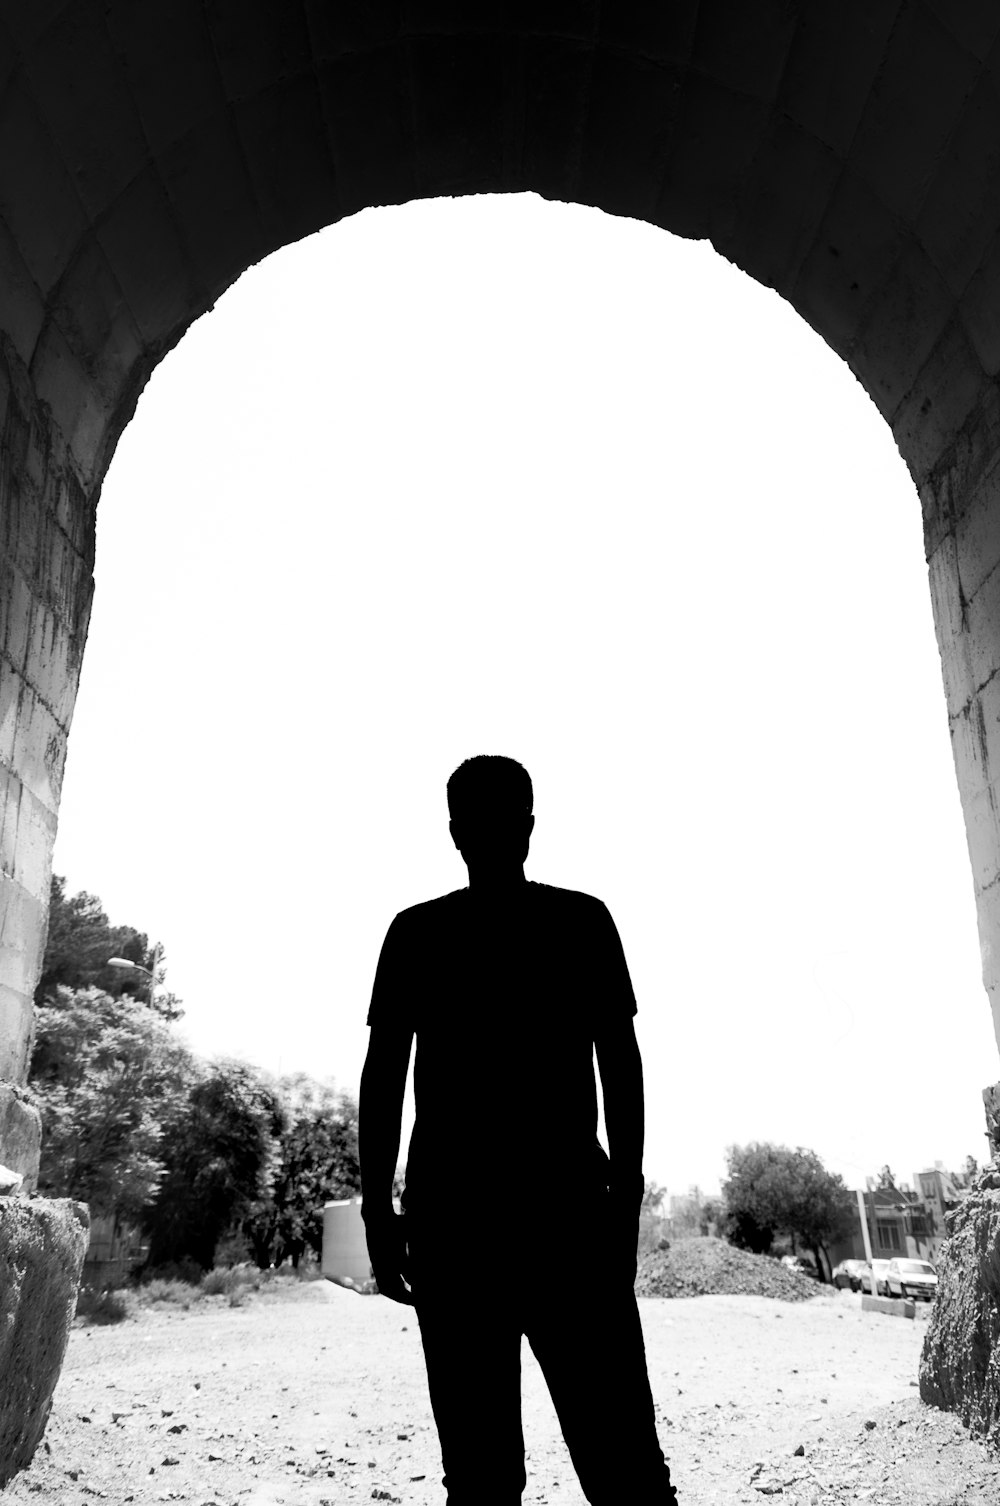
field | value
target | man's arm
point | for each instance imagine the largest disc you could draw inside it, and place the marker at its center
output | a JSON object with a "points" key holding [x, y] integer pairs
{"points": [[380, 1109], [620, 1066]]}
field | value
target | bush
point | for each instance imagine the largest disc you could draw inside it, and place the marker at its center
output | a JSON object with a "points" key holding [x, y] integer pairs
{"points": [[102, 1306], [165, 1289], [219, 1282], [236, 1280]]}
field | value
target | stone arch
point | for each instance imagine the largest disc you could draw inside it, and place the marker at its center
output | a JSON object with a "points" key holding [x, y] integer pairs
{"points": [[844, 152]]}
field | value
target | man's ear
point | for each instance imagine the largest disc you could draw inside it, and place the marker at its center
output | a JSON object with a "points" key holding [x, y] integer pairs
{"points": [[454, 835]]}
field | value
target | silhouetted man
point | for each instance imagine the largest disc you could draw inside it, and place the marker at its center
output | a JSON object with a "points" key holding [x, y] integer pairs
{"points": [[515, 1220]]}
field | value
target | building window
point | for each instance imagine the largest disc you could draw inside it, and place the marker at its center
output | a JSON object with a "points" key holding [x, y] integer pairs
{"points": [[888, 1235]]}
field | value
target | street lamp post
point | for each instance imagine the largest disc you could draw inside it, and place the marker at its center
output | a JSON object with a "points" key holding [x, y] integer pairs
{"points": [[137, 967]]}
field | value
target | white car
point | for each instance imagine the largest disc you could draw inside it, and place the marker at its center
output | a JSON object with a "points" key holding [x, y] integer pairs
{"points": [[848, 1273], [911, 1278], [881, 1271]]}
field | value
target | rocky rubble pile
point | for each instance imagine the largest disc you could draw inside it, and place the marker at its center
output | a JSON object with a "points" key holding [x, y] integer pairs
{"points": [[706, 1266]]}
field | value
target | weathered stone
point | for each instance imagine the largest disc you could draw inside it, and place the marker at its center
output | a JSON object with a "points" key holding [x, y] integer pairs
{"points": [[20, 1134], [894, 1307], [960, 1363], [42, 1248], [991, 1099]]}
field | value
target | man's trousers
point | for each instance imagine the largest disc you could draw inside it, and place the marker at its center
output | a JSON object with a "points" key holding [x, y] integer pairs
{"points": [[588, 1342]]}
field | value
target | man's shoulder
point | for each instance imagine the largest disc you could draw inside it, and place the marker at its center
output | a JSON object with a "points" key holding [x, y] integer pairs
{"points": [[570, 901], [431, 912]]}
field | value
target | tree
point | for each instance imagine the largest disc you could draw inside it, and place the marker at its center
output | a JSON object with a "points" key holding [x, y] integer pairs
{"points": [[79, 944], [772, 1189], [652, 1198], [105, 1072], [317, 1163], [221, 1154]]}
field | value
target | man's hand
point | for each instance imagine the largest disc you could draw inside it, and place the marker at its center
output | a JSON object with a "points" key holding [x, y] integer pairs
{"points": [[386, 1236]]}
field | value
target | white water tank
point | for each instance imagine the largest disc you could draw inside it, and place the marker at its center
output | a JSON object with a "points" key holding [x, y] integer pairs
{"points": [[345, 1251]]}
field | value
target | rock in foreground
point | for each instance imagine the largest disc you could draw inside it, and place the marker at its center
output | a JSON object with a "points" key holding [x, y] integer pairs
{"points": [[42, 1245], [708, 1266]]}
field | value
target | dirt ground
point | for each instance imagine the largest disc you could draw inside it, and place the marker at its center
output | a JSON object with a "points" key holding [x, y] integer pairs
{"points": [[316, 1395]]}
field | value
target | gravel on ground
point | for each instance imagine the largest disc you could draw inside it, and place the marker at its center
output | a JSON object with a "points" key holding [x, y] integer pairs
{"points": [[315, 1396]]}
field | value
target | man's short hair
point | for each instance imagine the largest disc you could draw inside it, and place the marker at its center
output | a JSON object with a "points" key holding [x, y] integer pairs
{"points": [[489, 780]]}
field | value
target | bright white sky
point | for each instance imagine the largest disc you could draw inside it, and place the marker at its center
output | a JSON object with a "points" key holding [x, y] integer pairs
{"points": [[498, 475]]}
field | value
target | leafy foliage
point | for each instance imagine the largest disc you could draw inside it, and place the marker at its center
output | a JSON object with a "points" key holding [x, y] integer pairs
{"points": [[317, 1163], [771, 1189], [80, 942], [221, 1152], [652, 1197], [104, 1073]]}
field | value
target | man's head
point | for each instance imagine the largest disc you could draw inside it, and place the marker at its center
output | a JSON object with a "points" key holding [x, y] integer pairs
{"points": [[490, 800]]}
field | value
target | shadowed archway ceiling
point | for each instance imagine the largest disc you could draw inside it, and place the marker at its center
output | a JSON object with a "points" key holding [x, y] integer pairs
{"points": [[846, 153]]}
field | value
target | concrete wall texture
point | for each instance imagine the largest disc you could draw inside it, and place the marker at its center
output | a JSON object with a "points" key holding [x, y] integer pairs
{"points": [[844, 152]]}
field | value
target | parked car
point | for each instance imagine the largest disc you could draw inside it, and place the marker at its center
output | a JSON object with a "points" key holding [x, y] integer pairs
{"points": [[848, 1273], [911, 1278], [881, 1269]]}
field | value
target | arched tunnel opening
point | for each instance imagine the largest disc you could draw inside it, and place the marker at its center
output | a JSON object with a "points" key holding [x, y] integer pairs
{"points": [[845, 158], [630, 517]]}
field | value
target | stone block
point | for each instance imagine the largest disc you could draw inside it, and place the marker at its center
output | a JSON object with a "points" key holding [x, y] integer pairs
{"points": [[961, 213], [295, 185], [856, 248], [208, 185], [20, 1134], [776, 230], [719, 136], [140, 239], [38, 200], [982, 829], [960, 1360], [978, 532], [630, 117], [832, 68], [82, 91], [16, 1026], [372, 145], [901, 328], [895, 1307], [42, 1249], [157, 46], [895, 145]]}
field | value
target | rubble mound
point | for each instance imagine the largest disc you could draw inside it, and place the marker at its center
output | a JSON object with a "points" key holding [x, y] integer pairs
{"points": [[708, 1266], [960, 1364]]}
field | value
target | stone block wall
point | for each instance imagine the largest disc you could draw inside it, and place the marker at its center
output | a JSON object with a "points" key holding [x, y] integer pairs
{"points": [[960, 1363], [46, 564]]}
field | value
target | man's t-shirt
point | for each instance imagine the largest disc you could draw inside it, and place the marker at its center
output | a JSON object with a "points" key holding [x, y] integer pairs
{"points": [[505, 1001]]}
